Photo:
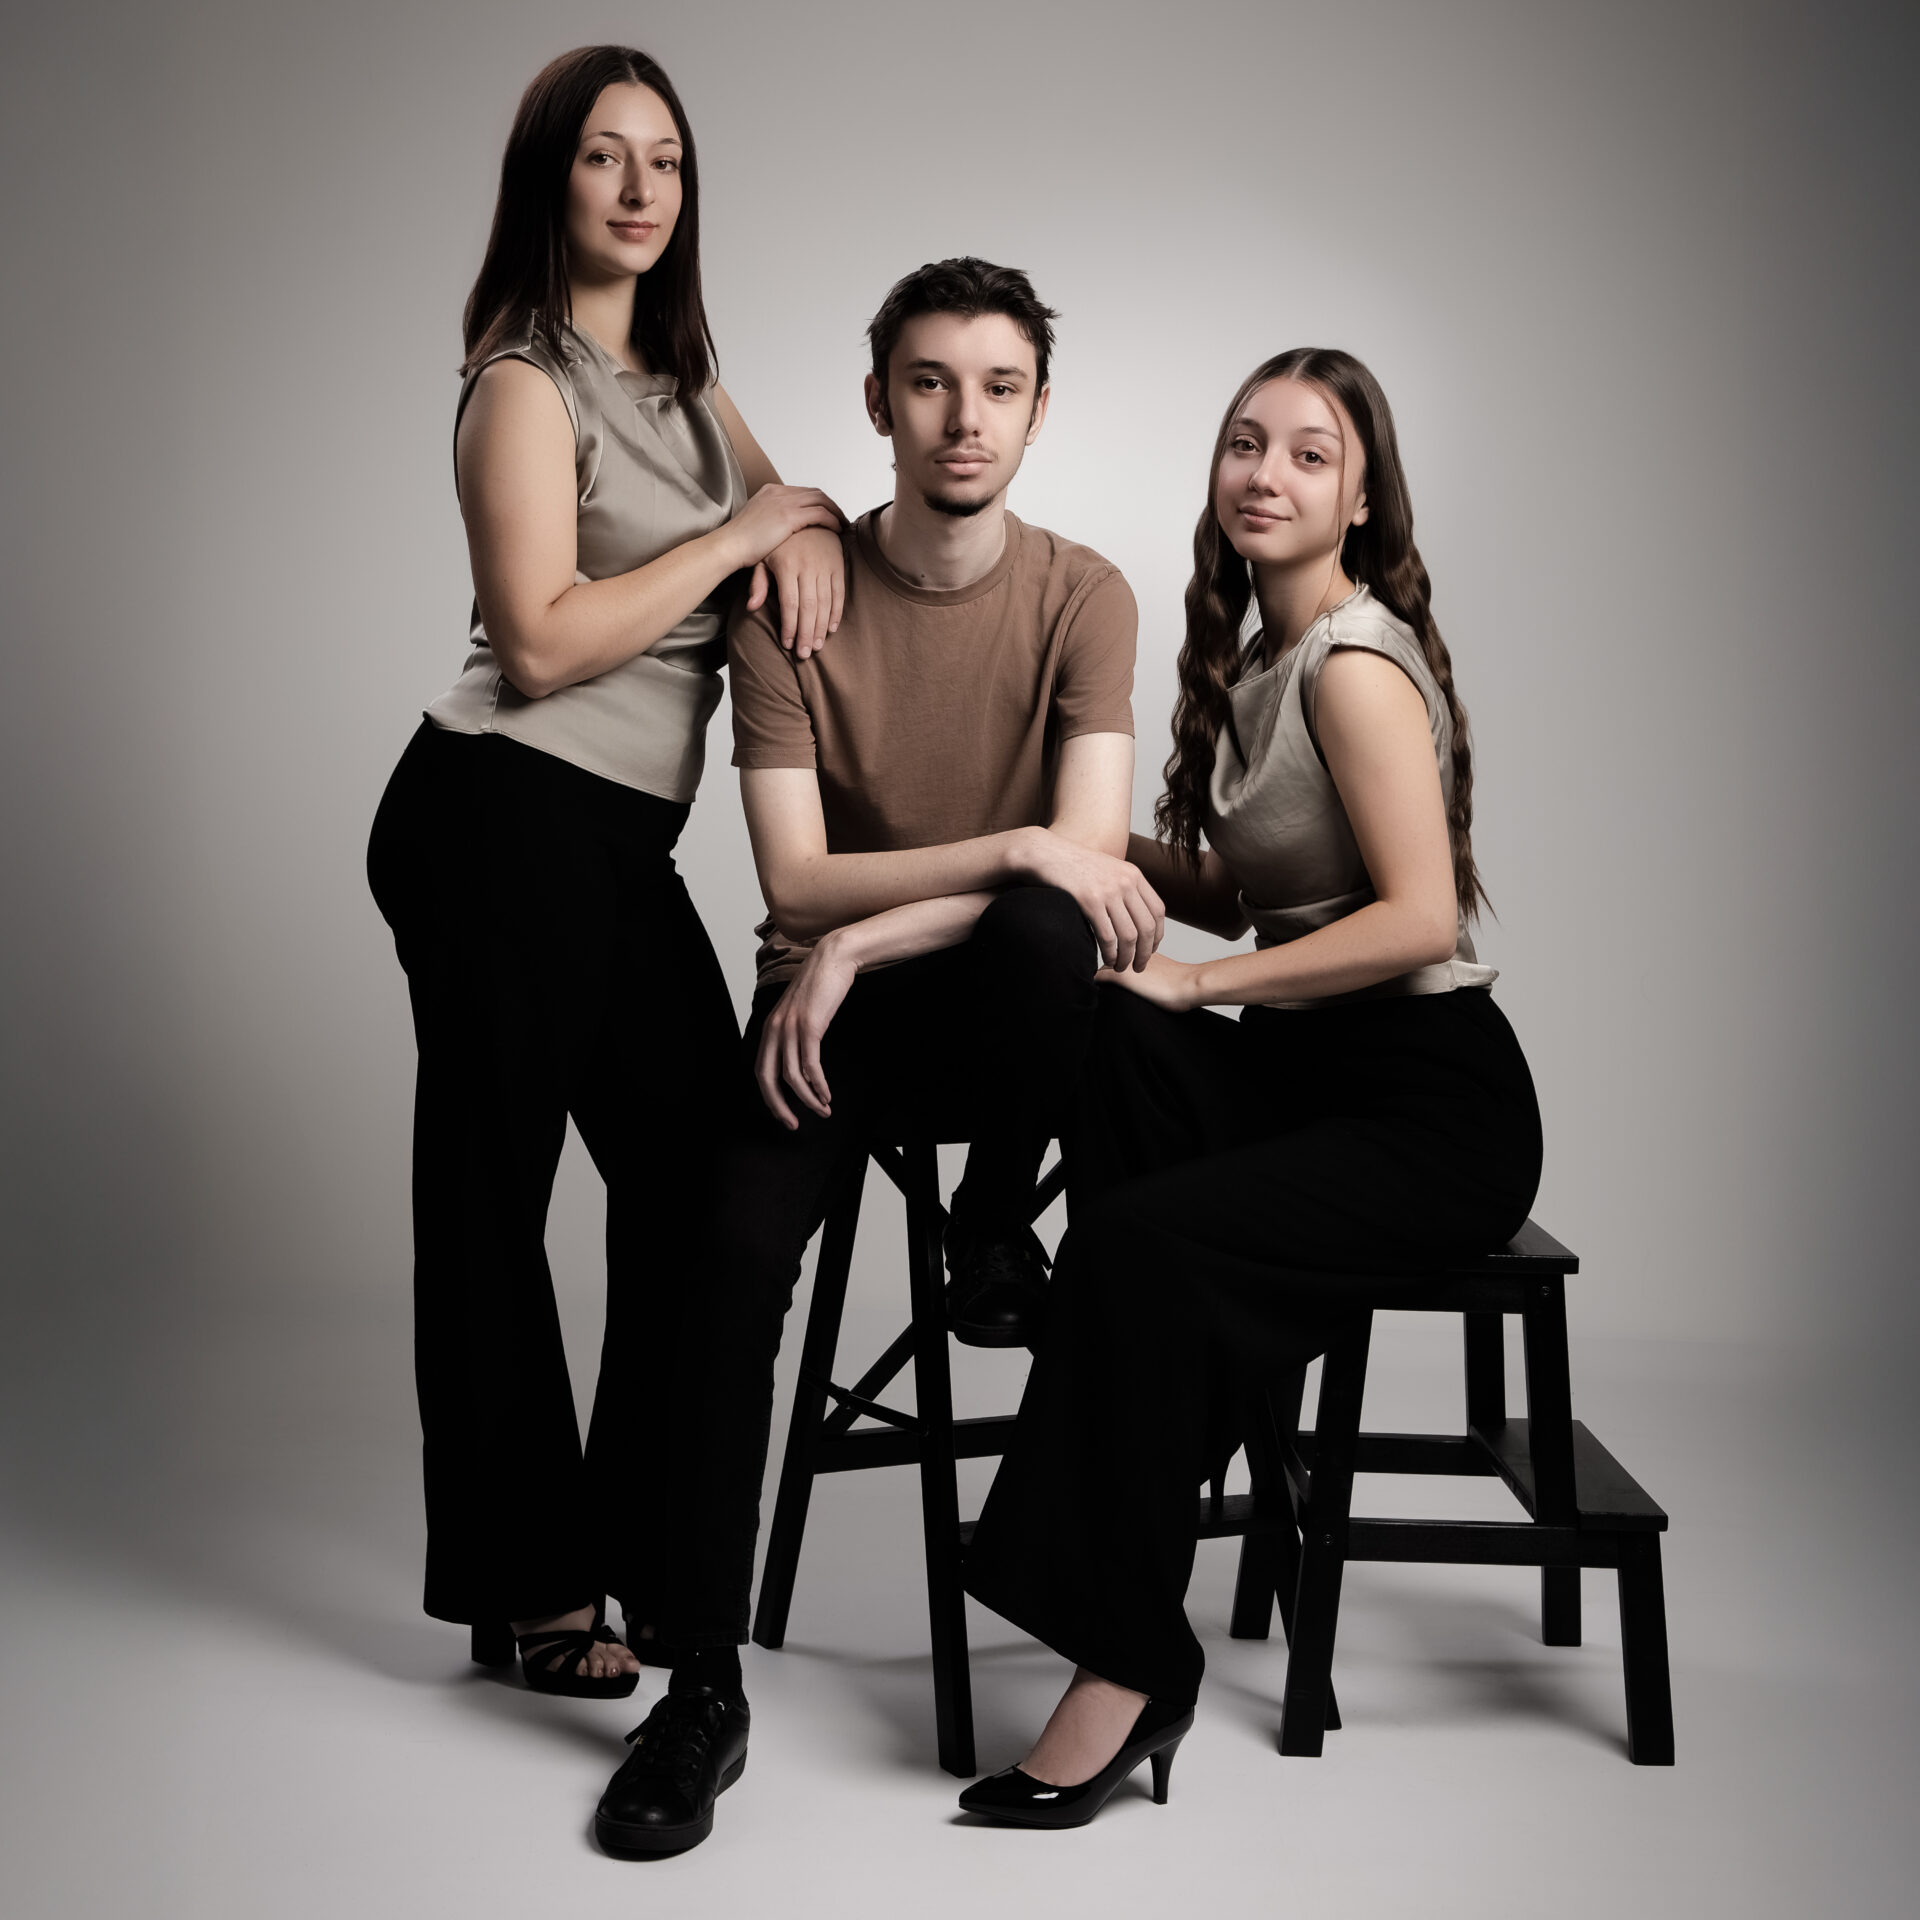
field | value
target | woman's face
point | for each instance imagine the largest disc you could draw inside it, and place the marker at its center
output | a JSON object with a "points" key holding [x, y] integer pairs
{"points": [[623, 195], [1290, 479]]}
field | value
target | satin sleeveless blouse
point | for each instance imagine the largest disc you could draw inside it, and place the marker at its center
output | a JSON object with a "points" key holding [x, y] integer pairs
{"points": [[652, 474], [1275, 816]]}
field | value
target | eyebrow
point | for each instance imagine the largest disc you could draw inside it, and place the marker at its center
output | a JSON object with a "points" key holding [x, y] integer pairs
{"points": [[993, 373], [1246, 425], [609, 133]]}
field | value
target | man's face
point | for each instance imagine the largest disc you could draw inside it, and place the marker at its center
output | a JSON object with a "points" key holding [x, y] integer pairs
{"points": [[962, 406]]}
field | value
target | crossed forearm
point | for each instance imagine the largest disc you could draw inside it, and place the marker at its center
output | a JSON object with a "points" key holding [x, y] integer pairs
{"points": [[901, 933], [811, 896]]}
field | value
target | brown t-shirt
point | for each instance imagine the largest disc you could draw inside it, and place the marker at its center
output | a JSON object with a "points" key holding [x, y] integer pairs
{"points": [[936, 717]]}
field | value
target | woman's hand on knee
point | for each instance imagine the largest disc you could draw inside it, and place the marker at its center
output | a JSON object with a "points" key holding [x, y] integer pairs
{"points": [[789, 1055]]}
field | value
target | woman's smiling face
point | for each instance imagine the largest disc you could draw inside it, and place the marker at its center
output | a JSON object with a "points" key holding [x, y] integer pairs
{"points": [[1291, 476], [623, 193]]}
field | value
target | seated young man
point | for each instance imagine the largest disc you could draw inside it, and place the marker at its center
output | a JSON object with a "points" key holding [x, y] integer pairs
{"points": [[938, 804]]}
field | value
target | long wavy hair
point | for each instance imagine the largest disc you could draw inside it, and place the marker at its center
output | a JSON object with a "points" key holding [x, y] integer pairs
{"points": [[1378, 553], [524, 271]]}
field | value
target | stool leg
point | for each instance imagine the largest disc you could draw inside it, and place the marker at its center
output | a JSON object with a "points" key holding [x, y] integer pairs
{"points": [[1560, 1606], [1316, 1606], [1486, 1357], [817, 1352], [1255, 1584], [1643, 1643], [1269, 1562], [939, 1491], [1261, 1567], [1273, 1558], [1283, 1408], [1550, 1443]]}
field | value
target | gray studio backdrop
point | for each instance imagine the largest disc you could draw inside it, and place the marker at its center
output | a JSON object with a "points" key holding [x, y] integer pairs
{"points": [[1637, 279]]}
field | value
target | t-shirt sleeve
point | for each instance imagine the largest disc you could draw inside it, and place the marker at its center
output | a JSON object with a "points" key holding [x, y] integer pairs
{"points": [[771, 725], [1093, 690]]}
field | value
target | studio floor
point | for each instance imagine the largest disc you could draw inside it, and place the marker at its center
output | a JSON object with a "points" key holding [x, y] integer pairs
{"points": [[220, 1700]]}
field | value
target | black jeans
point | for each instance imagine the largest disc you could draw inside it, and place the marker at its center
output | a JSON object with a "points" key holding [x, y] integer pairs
{"points": [[980, 1042], [556, 967], [1227, 1180]]}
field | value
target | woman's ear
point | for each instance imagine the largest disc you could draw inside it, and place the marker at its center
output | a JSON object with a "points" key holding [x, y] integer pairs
{"points": [[1359, 513]]}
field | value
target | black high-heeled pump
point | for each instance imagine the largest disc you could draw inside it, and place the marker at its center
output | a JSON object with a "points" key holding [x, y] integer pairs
{"points": [[549, 1656], [1020, 1799]]}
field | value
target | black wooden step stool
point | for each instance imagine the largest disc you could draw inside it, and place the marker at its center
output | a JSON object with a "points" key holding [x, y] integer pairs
{"points": [[1583, 1508], [823, 1441]]}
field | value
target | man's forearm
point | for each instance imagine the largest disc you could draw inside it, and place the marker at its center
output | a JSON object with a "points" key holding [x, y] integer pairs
{"points": [[922, 926], [813, 896]]}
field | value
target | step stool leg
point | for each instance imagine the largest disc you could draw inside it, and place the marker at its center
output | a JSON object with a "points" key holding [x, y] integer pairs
{"points": [[1283, 1409], [1486, 1357], [1560, 1606], [1271, 1435], [1316, 1606], [817, 1352], [1255, 1584], [939, 1491], [1643, 1642], [1550, 1442], [1267, 1560]]}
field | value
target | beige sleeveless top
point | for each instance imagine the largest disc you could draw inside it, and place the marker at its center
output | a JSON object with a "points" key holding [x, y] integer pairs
{"points": [[652, 474], [1275, 816]]}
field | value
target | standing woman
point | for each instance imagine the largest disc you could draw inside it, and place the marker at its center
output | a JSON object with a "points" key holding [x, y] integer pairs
{"points": [[523, 855], [1370, 1111]]}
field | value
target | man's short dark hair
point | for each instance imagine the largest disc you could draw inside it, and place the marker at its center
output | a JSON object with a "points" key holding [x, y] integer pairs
{"points": [[969, 287]]}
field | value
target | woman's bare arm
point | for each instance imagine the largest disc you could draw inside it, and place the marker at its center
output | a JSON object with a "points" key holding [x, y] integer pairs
{"points": [[514, 459], [808, 570], [1373, 731]]}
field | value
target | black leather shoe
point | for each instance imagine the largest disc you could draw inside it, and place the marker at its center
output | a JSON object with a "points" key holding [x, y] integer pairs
{"points": [[1020, 1800], [997, 1296], [687, 1752]]}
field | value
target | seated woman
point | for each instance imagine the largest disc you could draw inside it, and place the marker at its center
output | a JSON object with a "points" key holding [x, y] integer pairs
{"points": [[1370, 1111]]}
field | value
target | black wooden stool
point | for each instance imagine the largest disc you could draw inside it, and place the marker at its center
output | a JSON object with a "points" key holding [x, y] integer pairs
{"points": [[819, 1441], [1584, 1509], [1296, 1529]]}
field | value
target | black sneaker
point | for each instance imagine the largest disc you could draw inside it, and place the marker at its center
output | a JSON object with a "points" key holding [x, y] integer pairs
{"points": [[687, 1752], [997, 1296]]}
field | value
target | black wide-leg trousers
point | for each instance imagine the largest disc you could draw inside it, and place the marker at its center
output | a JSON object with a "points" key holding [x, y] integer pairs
{"points": [[1227, 1180], [556, 966], [980, 1042]]}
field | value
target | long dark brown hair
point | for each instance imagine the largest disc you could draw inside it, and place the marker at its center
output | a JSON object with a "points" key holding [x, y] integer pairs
{"points": [[525, 269], [1377, 553]]}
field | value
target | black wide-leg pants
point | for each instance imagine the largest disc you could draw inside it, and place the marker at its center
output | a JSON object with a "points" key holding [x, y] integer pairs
{"points": [[980, 1042], [556, 966], [1227, 1180]]}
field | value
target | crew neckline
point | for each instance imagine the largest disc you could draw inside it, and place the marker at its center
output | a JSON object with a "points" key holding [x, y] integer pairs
{"points": [[867, 540]]}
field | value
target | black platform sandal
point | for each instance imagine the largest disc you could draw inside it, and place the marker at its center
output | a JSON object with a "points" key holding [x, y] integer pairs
{"points": [[548, 1657]]}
